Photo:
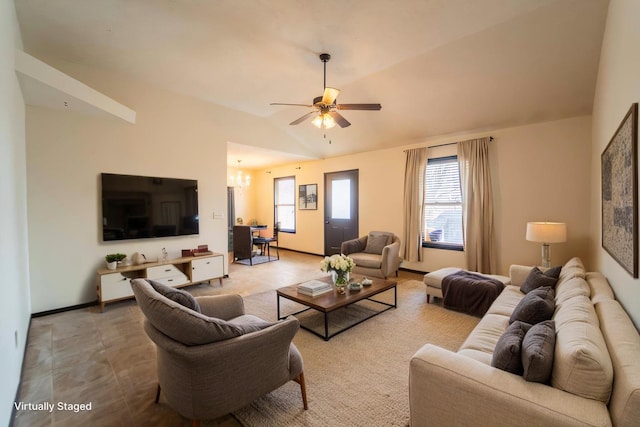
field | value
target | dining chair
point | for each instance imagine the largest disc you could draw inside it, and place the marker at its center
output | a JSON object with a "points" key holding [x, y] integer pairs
{"points": [[266, 242]]}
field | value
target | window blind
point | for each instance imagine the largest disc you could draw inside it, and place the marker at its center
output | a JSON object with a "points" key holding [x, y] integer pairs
{"points": [[443, 201]]}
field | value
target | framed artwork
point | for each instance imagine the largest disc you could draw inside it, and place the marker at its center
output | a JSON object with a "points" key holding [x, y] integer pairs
{"points": [[620, 194], [308, 197]]}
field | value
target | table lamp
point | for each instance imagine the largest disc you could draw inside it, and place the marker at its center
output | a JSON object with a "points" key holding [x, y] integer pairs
{"points": [[545, 233]]}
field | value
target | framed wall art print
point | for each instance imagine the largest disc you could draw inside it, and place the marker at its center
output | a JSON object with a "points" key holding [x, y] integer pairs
{"points": [[620, 194], [308, 197]]}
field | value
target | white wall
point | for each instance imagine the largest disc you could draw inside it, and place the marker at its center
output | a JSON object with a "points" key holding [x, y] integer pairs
{"points": [[175, 136], [540, 172], [14, 264], [617, 88]]}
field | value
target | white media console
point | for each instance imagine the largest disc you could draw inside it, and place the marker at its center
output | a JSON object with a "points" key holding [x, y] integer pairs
{"points": [[113, 285]]}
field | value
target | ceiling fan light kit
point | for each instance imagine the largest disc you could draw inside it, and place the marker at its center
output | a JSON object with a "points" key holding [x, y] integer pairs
{"points": [[324, 106], [324, 121]]}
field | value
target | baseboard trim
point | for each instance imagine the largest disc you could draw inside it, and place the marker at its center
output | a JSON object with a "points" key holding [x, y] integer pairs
{"points": [[409, 270], [63, 309], [300, 252]]}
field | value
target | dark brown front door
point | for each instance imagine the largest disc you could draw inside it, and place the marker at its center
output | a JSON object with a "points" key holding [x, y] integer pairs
{"points": [[340, 209]]}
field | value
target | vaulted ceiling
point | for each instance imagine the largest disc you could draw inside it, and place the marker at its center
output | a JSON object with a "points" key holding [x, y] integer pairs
{"points": [[437, 66]]}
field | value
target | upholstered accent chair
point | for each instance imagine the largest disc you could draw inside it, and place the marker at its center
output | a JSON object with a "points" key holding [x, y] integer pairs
{"points": [[215, 361], [376, 254]]}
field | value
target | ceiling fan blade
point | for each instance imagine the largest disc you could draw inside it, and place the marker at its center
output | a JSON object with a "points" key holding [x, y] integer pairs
{"points": [[369, 107], [294, 105], [330, 95], [303, 118], [340, 120]]}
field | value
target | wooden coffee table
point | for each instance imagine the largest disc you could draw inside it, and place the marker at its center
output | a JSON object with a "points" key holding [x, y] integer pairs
{"points": [[331, 301]]}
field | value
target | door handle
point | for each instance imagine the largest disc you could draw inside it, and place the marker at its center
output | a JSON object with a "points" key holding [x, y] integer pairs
{"points": [[326, 222]]}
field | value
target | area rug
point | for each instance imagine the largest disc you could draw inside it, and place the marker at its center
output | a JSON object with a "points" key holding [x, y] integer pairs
{"points": [[258, 259], [360, 377]]}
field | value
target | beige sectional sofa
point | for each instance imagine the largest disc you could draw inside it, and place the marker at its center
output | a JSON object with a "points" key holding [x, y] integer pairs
{"points": [[595, 378]]}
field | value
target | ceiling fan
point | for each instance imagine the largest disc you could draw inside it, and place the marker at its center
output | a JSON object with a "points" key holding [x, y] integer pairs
{"points": [[324, 106]]}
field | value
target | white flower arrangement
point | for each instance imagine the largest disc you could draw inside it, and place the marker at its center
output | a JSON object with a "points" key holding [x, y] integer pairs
{"points": [[338, 263]]}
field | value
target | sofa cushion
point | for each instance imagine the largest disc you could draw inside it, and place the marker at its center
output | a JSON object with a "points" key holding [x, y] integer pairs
{"points": [[582, 364], [178, 295], [567, 289], [538, 279], [572, 268], [376, 242], [599, 287], [486, 334], [538, 348], [536, 306], [507, 353], [365, 260], [622, 338], [507, 301]]}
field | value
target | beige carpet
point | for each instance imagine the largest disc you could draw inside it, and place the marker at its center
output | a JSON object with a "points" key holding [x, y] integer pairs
{"points": [[360, 377]]}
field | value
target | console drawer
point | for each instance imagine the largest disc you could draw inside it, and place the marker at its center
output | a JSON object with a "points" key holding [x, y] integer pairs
{"points": [[162, 271]]}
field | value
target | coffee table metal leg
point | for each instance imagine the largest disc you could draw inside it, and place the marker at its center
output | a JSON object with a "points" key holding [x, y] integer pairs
{"points": [[326, 326], [278, 300]]}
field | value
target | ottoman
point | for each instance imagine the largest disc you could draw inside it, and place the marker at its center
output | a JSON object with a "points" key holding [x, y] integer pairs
{"points": [[433, 280]]}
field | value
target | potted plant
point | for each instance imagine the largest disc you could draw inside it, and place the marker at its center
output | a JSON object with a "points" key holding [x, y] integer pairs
{"points": [[113, 260]]}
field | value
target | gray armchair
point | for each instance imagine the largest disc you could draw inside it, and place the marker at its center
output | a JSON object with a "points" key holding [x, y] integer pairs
{"points": [[216, 361], [377, 254]]}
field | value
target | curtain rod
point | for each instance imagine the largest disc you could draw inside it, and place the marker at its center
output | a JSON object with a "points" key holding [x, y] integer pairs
{"points": [[444, 145]]}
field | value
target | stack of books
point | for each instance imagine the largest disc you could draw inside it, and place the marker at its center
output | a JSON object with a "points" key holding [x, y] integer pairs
{"points": [[314, 288]]}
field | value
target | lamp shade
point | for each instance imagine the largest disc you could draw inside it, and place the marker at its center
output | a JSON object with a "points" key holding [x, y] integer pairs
{"points": [[547, 232]]}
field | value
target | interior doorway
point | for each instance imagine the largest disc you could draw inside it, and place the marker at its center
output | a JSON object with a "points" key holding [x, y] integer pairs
{"points": [[340, 209]]}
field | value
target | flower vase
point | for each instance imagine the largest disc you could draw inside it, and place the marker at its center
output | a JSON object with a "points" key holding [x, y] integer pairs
{"points": [[340, 280]]}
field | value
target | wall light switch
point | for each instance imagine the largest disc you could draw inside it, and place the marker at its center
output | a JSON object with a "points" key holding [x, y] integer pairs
{"points": [[218, 215]]}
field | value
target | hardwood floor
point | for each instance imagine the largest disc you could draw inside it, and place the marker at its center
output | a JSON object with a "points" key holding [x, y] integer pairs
{"points": [[106, 359]]}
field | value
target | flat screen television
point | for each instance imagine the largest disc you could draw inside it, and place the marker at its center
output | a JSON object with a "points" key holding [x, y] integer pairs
{"points": [[141, 207]]}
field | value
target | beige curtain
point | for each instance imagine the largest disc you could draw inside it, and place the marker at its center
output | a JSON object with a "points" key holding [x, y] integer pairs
{"points": [[477, 205], [416, 164]]}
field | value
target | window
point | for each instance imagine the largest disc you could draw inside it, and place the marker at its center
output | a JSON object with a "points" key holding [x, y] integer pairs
{"points": [[443, 204], [284, 205]]}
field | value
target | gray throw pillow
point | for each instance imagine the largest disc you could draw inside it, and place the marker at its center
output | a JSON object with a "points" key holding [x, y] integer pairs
{"points": [[536, 306], [538, 349], [375, 243], [507, 353], [554, 272], [178, 295], [537, 279]]}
